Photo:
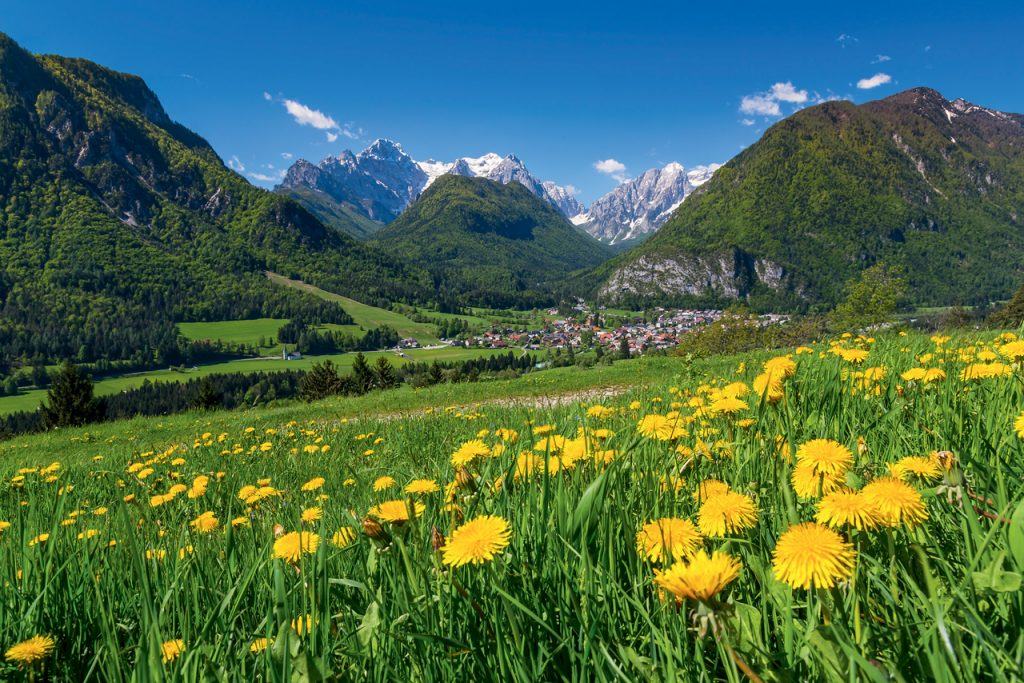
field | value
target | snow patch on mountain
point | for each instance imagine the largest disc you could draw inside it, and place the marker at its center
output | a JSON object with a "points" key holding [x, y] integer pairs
{"points": [[640, 206]]}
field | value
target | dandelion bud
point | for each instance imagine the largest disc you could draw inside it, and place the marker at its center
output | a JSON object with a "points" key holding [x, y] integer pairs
{"points": [[465, 479], [373, 529], [278, 531], [437, 540]]}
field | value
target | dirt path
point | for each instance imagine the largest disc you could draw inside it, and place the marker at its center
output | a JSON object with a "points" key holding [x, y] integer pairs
{"points": [[549, 401]]}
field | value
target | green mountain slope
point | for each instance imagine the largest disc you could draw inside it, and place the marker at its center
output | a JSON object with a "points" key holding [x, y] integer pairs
{"points": [[333, 214], [915, 180], [493, 244], [115, 221]]}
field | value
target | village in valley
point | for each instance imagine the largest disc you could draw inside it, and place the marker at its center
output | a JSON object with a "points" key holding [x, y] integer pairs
{"points": [[589, 328]]}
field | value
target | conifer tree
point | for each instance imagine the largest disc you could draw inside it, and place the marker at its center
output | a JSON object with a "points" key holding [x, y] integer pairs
{"points": [[70, 400], [624, 348], [321, 381], [363, 374], [385, 374], [208, 397]]}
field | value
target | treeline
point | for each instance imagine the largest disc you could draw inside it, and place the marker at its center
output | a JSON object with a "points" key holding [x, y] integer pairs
{"points": [[312, 341], [44, 325], [70, 399]]}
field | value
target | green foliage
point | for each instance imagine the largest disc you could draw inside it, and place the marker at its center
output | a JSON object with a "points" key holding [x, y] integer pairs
{"points": [[321, 381], [872, 298], [836, 188], [491, 244], [115, 222], [363, 376], [70, 401], [384, 374]]}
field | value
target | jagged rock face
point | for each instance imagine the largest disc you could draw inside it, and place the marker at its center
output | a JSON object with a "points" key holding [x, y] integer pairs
{"points": [[563, 198], [382, 180], [721, 274], [640, 206], [379, 182]]}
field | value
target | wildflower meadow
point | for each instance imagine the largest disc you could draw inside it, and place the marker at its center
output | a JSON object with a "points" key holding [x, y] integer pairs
{"points": [[849, 510]]}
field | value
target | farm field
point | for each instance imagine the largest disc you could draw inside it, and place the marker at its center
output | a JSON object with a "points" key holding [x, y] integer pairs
{"points": [[29, 400], [367, 316], [234, 331], [850, 510]]}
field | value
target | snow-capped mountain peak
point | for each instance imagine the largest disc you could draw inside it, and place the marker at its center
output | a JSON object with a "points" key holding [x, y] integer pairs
{"points": [[640, 206], [383, 179]]}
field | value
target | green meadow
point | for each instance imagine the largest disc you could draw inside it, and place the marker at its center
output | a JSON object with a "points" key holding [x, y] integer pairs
{"points": [[828, 513]]}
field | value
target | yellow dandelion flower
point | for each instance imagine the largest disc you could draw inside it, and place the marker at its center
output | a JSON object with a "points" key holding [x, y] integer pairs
{"points": [[700, 578], [846, 508], [824, 457], [313, 484], [343, 537], [172, 649], [259, 645], [726, 513], [668, 538], [311, 514], [810, 554], [470, 451], [708, 488], [422, 486], [917, 467], [205, 523], [30, 651], [727, 405], [383, 483], [396, 511], [292, 546], [897, 502], [477, 541], [809, 484]]}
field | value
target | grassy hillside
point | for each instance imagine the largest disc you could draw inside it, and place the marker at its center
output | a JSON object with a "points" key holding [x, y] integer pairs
{"points": [[912, 180], [364, 315], [29, 400], [573, 581], [115, 222], [333, 214], [491, 244]]}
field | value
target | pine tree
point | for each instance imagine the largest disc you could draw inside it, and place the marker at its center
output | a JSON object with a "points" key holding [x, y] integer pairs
{"points": [[70, 400], [435, 373], [385, 374], [624, 347], [321, 381], [208, 397], [363, 374]]}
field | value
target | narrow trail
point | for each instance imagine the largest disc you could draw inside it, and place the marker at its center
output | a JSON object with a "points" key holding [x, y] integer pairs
{"points": [[548, 401]]}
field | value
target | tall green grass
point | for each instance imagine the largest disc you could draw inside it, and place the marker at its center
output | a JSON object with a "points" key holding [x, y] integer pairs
{"points": [[570, 598]]}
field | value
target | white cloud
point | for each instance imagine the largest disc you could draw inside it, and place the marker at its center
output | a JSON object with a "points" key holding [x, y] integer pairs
{"points": [[927, 48], [235, 164], [874, 81], [748, 122], [845, 38], [763, 104], [306, 116], [265, 178], [616, 169], [881, 58], [332, 137], [286, 155], [267, 96], [787, 92]]}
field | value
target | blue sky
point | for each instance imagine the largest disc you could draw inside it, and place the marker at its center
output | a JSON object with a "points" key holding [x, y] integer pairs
{"points": [[562, 85]]}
